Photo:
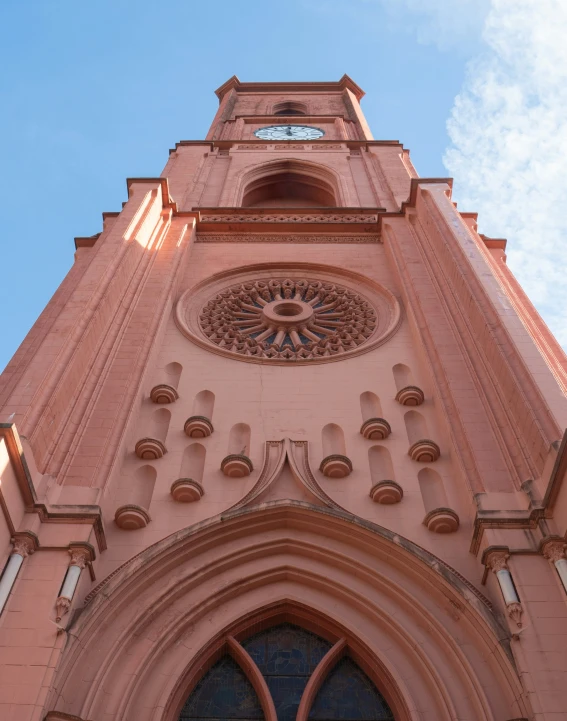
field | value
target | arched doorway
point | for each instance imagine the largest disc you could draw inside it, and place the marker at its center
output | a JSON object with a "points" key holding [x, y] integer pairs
{"points": [[153, 629]]}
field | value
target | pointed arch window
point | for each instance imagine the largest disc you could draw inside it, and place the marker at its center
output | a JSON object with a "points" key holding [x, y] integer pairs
{"points": [[290, 660]]}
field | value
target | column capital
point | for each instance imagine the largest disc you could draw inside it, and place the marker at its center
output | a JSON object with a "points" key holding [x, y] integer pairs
{"points": [[25, 543], [496, 558], [553, 548], [82, 554]]}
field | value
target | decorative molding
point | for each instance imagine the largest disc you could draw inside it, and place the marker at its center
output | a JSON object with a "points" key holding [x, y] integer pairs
{"points": [[297, 238], [288, 319], [496, 558], [236, 465], [186, 490], [375, 429], [289, 147], [150, 449], [251, 147], [163, 393], [25, 543], [198, 427], [82, 554], [410, 396], [424, 451], [289, 218], [515, 612], [293, 455], [245, 511], [131, 517], [62, 606], [336, 466], [328, 147], [80, 514], [386, 492], [334, 321], [442, 520], [553, 548]]}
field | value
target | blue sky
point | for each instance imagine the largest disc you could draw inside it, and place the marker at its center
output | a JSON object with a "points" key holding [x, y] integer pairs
{"points": [[94, 93]]}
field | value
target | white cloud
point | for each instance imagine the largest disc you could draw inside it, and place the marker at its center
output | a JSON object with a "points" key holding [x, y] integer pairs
{"points": [[448, 24], [508, 153]]}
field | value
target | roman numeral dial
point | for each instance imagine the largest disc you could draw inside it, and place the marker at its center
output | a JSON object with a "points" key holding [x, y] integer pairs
{"points": [[289, 132]]}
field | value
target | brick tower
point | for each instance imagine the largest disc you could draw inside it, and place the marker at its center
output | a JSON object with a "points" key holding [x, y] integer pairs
{"points": [[285, 444]]}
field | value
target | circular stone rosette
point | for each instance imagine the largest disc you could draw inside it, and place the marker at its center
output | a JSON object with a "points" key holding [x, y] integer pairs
{"points": [[280, 315]]}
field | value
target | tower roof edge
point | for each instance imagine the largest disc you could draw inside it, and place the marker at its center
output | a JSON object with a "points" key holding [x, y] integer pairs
{"points": [[345, 82]]}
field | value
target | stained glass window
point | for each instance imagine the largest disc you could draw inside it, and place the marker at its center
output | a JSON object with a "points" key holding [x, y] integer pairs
{"points": [[349, 695], [286, 655], [224, 692]]}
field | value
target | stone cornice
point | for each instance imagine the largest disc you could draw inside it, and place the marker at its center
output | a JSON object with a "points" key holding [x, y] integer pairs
{"points": [[227, 144], [345, 83], [67, 514]]}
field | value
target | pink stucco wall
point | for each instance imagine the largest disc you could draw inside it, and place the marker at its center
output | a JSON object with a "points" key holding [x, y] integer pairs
{"points": [[422, 610]]}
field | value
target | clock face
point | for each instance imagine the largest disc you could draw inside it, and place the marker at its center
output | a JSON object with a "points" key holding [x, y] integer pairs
{"points": [[289, 132]]}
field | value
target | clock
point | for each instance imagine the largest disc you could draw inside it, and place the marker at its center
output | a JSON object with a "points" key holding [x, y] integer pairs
{"points": [[289, 132]]}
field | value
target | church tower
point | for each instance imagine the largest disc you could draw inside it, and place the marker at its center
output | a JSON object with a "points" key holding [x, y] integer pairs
{"points": [[288, 444]]}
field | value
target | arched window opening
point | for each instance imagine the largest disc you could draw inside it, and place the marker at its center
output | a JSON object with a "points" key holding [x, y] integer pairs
{"points": [[287, 656], [289, 184], [349, 695], [224, 692], [289, 107], [289, 190]]}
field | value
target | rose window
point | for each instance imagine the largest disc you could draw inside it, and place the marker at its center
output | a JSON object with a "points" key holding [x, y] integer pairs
{"points": [[288, 319]]}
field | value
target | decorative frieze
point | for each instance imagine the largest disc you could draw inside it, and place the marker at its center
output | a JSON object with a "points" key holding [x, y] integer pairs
{"points": [[288, 218], [287, 239]]}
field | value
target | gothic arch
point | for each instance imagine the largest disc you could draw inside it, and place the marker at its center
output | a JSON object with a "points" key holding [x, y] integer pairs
{"points": [[150, 628], [316, 184]]}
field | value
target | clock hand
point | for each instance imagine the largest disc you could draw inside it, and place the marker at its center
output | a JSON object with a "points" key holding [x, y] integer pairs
{"points": [[289, 131]]}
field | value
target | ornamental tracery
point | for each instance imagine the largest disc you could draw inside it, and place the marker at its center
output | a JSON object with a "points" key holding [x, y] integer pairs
{"points": [[287, 657], [288, 319]]}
